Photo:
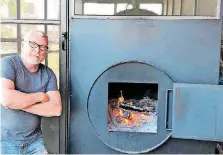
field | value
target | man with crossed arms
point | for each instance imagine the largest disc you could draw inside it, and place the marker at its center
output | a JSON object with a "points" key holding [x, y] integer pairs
{"points": [[28, 91]]}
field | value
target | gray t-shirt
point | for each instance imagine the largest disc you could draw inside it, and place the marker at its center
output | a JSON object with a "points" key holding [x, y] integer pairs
{"points": [[17, 125]]}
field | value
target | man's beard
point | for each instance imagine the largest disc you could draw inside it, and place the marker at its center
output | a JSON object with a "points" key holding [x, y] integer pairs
{"points": [[32, 62]]}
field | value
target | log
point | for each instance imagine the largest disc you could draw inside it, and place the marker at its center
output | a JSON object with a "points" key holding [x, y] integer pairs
{"points": [[133, 107]]}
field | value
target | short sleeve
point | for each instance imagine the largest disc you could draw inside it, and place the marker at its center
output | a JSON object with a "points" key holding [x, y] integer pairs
{"points": [[7, 69], [52, 84]]}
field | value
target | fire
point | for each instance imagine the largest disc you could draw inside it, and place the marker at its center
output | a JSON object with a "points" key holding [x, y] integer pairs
{"points": [[126, 121], [134, 120], [121, 98], [126, 117], [120, 112], [143, 115]]}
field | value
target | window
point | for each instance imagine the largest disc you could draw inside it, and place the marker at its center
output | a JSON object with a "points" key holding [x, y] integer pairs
{"points": [[147, 7], [98, 9], [41, 11]]}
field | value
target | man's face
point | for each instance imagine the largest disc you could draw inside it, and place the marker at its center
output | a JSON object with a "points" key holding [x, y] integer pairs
{"points": [[35, 49]]}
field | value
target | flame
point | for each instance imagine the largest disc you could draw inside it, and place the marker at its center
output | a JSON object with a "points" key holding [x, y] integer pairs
{"points": [[130, 102], [126, 121], [121, 98], [143, 115], [120, 112], [136, 119]]}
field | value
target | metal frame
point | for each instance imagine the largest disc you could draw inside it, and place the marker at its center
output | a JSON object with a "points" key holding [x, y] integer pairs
{"points": [[141, 17], [121, 1], [20, 21], [218, 12], [64, 17], [30, 21], [218, 9], [64, 78]]}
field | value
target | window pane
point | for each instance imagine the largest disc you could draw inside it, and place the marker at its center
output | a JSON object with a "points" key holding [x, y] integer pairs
{"points": [[157, 8], [8, 9], [53, 9], [8, 47], [123, 6], [53, 33], [8, 31], [32, 9], [43, 62], [53, 63], [148, 7], [53, 47], [98, 9], [28, 27]]}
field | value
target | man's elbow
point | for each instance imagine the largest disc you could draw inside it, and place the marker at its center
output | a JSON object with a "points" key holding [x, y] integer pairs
{"points": [[6, 102], [6, 105], [10, 105], [58, 111]]}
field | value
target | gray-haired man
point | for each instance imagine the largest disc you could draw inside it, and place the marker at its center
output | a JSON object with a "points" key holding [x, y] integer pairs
{"points": [[29, 91]]}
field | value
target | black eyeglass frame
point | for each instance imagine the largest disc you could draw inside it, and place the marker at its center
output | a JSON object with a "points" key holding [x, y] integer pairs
{"points": [[33, 44]]}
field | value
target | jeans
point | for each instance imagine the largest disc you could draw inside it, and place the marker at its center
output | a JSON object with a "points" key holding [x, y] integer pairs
{"points": [[34, 147]]}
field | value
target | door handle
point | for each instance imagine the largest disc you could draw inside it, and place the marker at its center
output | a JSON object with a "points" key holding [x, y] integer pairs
{"points": [[64, 39], [168, 112]]}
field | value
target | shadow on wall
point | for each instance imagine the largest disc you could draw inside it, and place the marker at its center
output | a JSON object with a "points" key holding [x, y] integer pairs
{"points": [[136, 12]]}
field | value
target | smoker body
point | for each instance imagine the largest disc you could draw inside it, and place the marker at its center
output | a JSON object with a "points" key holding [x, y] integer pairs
{"points": [[167, 52]]}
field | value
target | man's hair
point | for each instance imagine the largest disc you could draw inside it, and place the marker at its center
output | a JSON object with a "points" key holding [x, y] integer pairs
{"points": [[40, 33]]}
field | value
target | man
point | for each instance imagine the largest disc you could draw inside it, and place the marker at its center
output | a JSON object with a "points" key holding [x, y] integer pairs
{"points": [[28, 91]]}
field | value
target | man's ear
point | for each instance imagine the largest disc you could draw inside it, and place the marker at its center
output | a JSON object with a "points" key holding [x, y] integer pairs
{"points": [[22, 44]]}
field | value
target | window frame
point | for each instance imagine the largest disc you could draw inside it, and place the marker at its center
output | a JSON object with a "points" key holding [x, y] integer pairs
{"points": [[174, 17]]}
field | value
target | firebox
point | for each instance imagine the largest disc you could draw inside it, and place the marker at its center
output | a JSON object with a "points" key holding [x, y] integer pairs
{"points": [[144, 85], [132, 107]]}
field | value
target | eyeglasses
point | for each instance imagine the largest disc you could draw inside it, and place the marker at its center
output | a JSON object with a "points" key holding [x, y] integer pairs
{"points": [[35, 45]]}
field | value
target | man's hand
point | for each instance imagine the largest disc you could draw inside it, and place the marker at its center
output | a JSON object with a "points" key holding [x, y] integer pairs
{"points": [[53, 107], [44, 97]]}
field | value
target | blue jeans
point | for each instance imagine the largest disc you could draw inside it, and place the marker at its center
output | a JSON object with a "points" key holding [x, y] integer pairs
{"points": [[33, 147]]}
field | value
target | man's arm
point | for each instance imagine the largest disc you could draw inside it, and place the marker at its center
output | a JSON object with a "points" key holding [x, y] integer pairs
{"points": [[48, 109], [13, 99]]}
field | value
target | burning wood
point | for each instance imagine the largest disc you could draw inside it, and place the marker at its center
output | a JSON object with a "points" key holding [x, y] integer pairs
{"points": [[131, 115], [135, 108]]}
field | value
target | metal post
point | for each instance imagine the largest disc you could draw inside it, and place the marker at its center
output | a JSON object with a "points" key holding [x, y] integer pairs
{"points": [[64, 78], [115, 8], [195, 8], [181, 7], [167, 7], [135, 4], [173, 7]]}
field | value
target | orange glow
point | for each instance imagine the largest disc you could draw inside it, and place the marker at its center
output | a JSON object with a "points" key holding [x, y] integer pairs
{"points": [[136, 119], [120, 112]]}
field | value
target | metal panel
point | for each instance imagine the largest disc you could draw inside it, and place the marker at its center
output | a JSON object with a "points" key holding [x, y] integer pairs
{"points": [[174, 46], [197, 112], [131, 72], [166, 44]]}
